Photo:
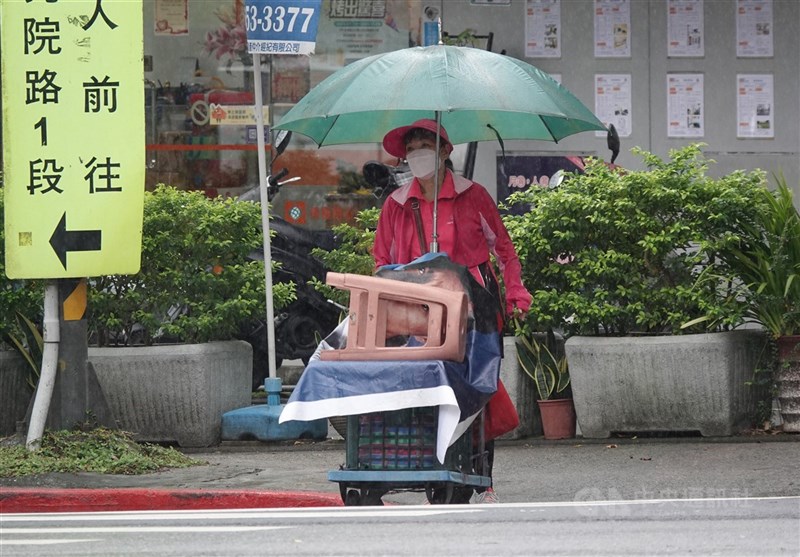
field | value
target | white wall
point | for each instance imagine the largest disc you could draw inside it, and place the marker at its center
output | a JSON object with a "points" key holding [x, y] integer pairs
{"points": [[648, 67]]}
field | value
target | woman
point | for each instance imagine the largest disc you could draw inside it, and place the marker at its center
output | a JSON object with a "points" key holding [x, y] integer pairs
{"points": [[469, 229]]}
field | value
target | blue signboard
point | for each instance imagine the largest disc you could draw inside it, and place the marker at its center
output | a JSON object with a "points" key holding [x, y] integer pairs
{"points": [[281, 26]]}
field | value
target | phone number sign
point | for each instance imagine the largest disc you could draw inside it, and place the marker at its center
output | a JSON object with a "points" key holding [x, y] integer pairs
{"points": [[282, 26], [74, 137]]}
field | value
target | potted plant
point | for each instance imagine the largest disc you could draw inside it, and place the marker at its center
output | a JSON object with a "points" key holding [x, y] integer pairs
{"points": [[764, 263], [166, 355], [611, 258], [544, 361], [352, 254]]}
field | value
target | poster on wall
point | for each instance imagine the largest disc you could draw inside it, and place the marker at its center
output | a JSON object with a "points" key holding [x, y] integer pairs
{"points": [[755, 101], [685, 105], [612, 102], [290, 78], [172, 17], [353, 29], [612, 28], [543, 29], [754, 29], [685, 28]]}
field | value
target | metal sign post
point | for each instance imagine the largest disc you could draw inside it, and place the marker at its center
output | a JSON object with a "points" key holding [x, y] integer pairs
{"points": [[263, 188], [275, 27]]}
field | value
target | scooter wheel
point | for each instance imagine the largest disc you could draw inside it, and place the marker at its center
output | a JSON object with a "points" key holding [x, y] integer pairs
{"points": [[301, 333]]}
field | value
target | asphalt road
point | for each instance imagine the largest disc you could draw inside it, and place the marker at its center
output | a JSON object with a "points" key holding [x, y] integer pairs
{"points": [[726, 527]]}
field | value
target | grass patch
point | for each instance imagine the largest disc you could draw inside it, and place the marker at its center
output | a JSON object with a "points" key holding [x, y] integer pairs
{"points": [[99, 450]]}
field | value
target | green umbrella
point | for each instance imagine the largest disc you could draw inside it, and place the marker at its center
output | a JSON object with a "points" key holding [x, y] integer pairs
{"points": [[478, 95]]}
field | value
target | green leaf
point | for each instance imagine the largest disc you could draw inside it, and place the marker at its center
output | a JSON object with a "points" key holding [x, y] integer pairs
{"points": [[620, 252], [195, 255]]}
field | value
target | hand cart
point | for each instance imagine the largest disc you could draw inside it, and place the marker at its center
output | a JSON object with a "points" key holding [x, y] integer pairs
{"points": [[396, 451]]}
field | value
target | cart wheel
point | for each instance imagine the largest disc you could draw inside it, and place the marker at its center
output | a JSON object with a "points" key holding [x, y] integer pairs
{"points": [[372, 497], [352, 499], [439, 495], [461, 495]]}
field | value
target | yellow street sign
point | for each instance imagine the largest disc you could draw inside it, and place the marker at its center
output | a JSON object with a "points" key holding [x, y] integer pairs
{"points": [[73, 137]]}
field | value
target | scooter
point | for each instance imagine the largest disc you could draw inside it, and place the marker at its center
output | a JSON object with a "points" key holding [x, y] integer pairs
{"points": [[302, 324], [384, 179]]}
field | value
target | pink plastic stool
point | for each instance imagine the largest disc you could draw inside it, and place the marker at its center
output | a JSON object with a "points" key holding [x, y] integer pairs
{"points": [[370, 302]]}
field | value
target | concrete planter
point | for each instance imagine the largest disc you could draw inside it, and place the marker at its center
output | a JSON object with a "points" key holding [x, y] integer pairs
{"points": [[665, 383], [788, 380], [15, 394], [175, 393]]}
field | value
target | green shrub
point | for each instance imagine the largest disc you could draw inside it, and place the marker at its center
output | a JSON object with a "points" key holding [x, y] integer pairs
{"points": [[195, 257], [764, 262], [619, 252], [353, 253]]}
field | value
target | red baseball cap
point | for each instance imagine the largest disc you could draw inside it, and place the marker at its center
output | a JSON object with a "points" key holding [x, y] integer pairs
{"points": [[394, 144]]}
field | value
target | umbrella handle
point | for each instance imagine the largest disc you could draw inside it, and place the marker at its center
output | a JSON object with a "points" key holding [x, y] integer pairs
{"points": [[436, 181]]}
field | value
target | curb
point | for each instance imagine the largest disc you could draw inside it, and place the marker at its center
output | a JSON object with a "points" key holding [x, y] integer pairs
{"points": [[35, 500]]}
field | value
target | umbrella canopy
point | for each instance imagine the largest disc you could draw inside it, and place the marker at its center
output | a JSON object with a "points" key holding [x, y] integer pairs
{"points": [[475, 91]]}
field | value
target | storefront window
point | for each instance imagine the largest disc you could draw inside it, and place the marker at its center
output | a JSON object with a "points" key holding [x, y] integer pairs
{"points": [[201, 134]]}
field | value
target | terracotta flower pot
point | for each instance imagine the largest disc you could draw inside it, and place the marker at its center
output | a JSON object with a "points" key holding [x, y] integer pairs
{"points": [[558, 418]]}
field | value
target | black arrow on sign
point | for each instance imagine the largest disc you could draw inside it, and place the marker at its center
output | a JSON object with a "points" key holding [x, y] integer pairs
{"points": [[63, 241]]}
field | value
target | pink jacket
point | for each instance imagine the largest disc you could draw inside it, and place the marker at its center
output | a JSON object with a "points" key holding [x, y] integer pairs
{"points": [[469, 229]]}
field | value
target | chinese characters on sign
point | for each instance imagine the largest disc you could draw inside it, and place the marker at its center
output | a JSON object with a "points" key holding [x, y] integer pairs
{"points": [[74, 164], [235, 115], [519, 171], [281, 26], [370, 9], [355, 29]]}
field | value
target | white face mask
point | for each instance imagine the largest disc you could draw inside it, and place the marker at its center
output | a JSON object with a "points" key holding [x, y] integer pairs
{"points": [[422, 163]]}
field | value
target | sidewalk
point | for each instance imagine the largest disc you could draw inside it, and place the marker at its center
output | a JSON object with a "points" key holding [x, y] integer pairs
{"points": [[256, 474]]}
